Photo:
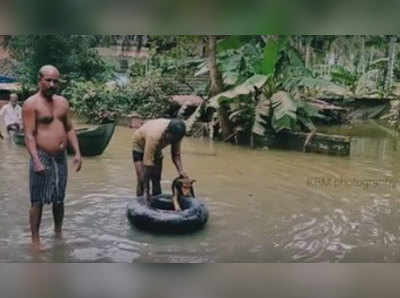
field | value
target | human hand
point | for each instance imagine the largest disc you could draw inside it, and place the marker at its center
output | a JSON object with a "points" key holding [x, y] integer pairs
{"points": [[183, 174], [38, 167], [77, 162]]}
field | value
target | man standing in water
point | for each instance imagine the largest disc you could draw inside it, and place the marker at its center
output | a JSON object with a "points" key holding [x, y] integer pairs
{"points": [[48, 130], [12, 114], [148, 141]]}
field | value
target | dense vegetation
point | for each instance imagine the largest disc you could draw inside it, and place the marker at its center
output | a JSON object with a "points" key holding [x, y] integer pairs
{"points": [[258, 84]]}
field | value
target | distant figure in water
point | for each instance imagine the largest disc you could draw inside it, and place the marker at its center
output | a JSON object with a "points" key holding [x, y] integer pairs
{"points": [[148, 142], [12, 114], [48, 130]]}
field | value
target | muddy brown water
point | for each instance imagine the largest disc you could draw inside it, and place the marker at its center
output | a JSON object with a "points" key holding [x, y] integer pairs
{"points": [[265, 206]]}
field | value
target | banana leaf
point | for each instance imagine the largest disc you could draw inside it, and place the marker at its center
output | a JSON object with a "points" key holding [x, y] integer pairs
{"points": [[262, 113], [231, 42], [306, 121], [308, 110], [203, 69], [284, 112], [271, 57], [243, 89]]}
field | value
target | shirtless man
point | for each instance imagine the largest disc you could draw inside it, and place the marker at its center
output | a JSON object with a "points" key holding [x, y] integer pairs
{"points": [[48, 130], [148, 141]]}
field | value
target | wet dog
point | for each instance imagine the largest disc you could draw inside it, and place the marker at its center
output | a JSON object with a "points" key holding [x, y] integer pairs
{"points": [[181, 187]]}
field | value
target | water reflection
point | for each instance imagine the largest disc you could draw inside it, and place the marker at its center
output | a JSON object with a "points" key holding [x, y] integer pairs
{"points": [[263, 207]]}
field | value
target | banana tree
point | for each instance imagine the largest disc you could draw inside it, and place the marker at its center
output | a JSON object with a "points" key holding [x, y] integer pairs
{"points": [[391, 61], [267, 72]]}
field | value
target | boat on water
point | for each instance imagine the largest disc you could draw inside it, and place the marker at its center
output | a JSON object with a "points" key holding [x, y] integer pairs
{"points": [[19, 138], [92, 141]]}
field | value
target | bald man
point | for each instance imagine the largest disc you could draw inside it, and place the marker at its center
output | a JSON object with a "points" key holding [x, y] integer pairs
{"points": [[48, 130]]}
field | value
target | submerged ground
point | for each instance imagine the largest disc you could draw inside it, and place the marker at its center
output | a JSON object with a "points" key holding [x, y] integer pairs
{"points": [[265, 206]]}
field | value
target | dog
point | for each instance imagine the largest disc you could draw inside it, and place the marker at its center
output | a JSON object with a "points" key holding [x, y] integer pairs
{"points": [[181, 187]]}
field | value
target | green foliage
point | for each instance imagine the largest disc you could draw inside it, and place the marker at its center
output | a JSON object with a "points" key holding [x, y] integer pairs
{"points": [[290, 114], [229, 43], [233, 42], [238, 58], [262, 116], [245, 88], [73, 55], [284, 112], [297, 81], [277, 66], [149, 96], [241, 111], [175, 46], [272, 54], [344, 77]]}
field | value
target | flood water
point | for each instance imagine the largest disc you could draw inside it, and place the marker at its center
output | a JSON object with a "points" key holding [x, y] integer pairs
{"points": [[265, 206]]}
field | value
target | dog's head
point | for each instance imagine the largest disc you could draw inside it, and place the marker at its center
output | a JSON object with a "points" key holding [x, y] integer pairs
{"points": [[183, 186]]}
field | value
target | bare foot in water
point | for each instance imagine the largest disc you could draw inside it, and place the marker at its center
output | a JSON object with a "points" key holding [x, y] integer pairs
{"points": [[59, 235], [38, 247]]}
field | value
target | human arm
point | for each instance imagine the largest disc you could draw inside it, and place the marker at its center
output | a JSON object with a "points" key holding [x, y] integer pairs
{"points": [[73, 141], [146, 181], [30, 131], [176, 158]]}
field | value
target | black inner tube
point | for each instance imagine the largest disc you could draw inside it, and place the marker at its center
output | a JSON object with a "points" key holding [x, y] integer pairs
{"points": [[161, 217], [164, 202]]}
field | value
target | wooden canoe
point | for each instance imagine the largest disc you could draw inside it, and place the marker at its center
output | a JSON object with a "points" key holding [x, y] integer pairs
{"points": [[19, 138], [92, 141]]}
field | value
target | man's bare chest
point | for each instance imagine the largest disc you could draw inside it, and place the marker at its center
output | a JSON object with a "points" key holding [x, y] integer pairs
{"points": [[46, 115]]}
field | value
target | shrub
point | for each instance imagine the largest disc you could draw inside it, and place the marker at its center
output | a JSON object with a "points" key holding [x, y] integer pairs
{"points": [[149, 96]]}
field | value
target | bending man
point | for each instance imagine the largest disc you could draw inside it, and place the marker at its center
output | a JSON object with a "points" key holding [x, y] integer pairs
{"points": [[148, 142], [48, 130]]}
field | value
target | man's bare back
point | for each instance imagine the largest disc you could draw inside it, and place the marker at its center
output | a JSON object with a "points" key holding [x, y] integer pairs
{"points": [[50, 119]]}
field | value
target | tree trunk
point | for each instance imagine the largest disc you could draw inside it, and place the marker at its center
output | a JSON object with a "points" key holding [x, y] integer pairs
{"points": [[215, 76], [371, 56], [139, 42], [390, 67], [361, 63], [308, 51], [217, 87]]}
